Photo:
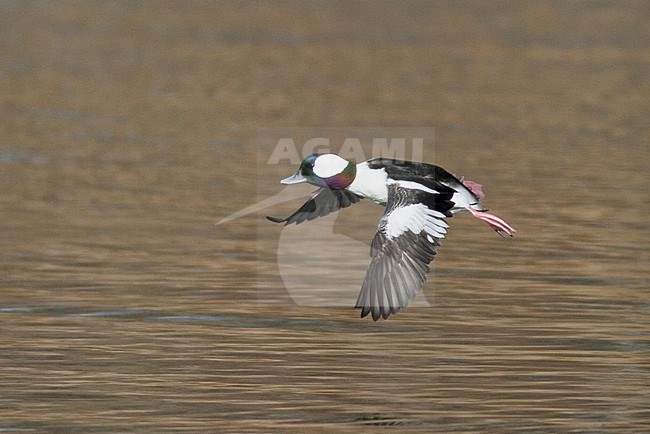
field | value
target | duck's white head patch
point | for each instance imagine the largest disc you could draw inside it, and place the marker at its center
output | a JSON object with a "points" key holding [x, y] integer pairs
{"points": [[328, 165]]}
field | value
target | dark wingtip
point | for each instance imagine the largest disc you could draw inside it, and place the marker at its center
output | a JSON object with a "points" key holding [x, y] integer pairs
{"points": [[376, 314], [364, 310], [275, 219]]}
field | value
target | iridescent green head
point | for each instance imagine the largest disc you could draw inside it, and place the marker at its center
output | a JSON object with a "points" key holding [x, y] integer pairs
{"points": [[324, 170]]}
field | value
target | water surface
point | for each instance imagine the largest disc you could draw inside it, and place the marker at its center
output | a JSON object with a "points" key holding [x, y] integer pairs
{"points": [[129, 129]]}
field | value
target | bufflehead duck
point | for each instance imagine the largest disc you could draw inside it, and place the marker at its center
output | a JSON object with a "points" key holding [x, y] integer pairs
{"points": [[417, 196]]}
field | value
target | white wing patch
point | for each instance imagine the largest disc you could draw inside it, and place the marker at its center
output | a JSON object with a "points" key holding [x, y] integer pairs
{"points": [[412, 186], [328, 165], [416, 218]]}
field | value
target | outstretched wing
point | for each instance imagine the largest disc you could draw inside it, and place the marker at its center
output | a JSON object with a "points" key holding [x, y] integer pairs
{"points": [[322, 203], [403, 247]]}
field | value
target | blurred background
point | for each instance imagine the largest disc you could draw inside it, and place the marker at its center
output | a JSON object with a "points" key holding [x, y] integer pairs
{"points": [[128, 129]]}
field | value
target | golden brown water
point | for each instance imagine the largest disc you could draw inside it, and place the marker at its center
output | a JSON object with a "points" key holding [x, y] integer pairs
{"points": [[129, 128]]}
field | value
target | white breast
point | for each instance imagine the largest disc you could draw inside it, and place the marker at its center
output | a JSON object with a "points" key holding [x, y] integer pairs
{"points": [[370, 183]]}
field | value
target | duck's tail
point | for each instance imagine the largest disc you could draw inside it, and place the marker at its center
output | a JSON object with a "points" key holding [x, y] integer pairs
{"points": [[468, 197]]}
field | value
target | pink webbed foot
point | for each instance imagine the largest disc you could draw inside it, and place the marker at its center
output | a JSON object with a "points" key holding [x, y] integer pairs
{"points": [[496, 223], [475, 188]]}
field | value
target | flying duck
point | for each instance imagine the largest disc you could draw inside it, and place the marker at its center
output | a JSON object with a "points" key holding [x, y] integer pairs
{"points": [[417, 196]]}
